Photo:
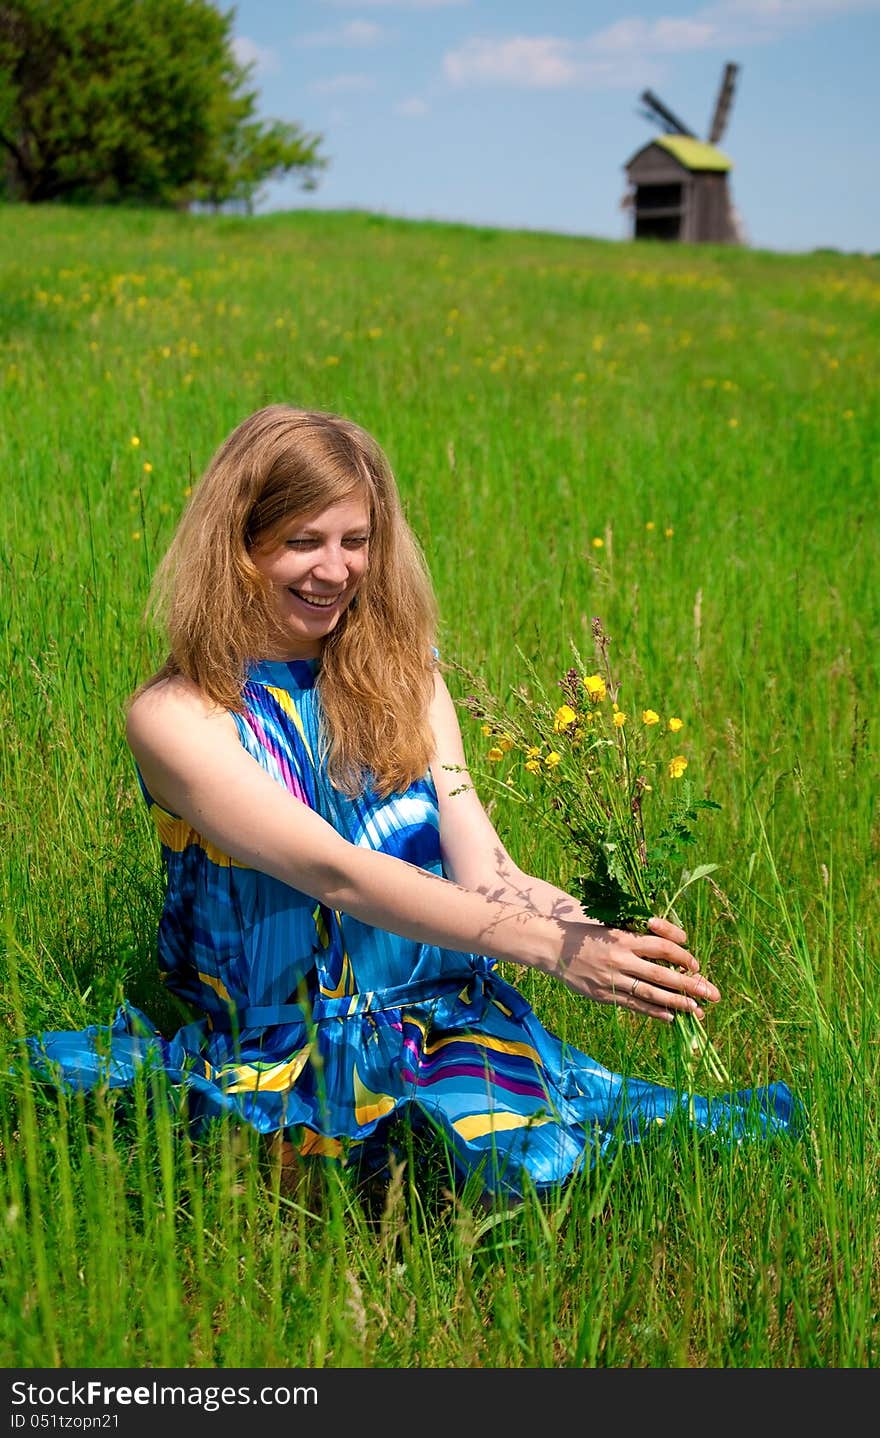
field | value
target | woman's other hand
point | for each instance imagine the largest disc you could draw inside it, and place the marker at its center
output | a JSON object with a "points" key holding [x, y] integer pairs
{"points": [[652, 974]]}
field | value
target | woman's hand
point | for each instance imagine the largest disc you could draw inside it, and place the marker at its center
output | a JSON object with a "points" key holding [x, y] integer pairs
{"points": [[652, 974]]}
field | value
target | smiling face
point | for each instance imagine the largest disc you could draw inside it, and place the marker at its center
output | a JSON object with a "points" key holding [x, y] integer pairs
{"points": [[315, 565]]}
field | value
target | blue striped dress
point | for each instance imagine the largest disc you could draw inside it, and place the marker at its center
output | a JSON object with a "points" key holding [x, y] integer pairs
{"points": [[316, 1024]]}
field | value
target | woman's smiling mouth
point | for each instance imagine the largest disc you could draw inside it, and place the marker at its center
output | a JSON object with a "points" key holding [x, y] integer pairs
{"points": [[315, 601]]}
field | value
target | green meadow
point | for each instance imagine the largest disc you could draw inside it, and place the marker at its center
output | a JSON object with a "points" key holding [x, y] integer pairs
{"points": [[683, 442]]}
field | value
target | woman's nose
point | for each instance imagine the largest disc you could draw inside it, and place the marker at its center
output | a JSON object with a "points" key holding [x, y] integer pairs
{"points": [[332, 565]]}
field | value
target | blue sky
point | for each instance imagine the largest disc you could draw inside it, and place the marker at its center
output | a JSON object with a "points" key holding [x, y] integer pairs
{"points": [[517, 114]]}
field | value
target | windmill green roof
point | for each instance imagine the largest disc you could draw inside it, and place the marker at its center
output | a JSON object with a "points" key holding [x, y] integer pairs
{"points": [[694, 154]]}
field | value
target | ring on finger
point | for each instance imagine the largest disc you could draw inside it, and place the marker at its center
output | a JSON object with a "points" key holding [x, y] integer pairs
{"points": [[632, 992]]}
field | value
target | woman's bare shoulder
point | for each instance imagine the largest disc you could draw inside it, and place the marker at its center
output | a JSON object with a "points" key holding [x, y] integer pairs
{"points": [[166, 704]]}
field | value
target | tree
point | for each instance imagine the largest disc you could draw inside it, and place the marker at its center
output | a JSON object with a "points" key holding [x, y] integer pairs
{"points": [[135, 100]]}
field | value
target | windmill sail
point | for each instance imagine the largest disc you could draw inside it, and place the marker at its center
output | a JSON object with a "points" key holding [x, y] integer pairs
{"points": [[657, 110], [723, 103]]}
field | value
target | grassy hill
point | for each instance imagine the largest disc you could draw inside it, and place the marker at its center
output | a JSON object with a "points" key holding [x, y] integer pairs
{"points": [[682, 441]]}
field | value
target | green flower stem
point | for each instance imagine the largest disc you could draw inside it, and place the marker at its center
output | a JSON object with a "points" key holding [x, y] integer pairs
{"points": [[697, 1048]]}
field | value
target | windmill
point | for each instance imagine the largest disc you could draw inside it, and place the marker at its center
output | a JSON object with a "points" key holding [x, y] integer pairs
{"points": [[679, 187]]}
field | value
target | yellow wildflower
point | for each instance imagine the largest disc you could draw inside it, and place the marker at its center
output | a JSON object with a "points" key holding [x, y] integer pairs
{"points": [[677, 766], [505, 743], [650, 524], [595, 687], [486, 730], [669, 531], [598, 543], [533, 751], [533, 766], [148, 468], [676, 724], [495, 754], [619, 718], [650, 716], [552, 759], [563, 718], [134, 441]]}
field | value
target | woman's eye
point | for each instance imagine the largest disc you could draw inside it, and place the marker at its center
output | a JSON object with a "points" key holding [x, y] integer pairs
{"points": [[298, 543]]}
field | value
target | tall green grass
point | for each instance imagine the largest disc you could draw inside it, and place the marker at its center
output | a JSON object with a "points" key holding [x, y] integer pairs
{"points": [[535, 394]]}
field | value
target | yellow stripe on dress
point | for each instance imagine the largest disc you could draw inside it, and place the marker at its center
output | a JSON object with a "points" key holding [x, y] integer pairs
{"points": [[485, 1041], [345, 987], [315, 1144], [286, 703], [176, 834], [477, 1125], [270, 1078], [369, 1105], [218, 986]]}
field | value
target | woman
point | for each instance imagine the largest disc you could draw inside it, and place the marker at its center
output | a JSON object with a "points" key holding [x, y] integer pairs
{"points": [[336, 904]]}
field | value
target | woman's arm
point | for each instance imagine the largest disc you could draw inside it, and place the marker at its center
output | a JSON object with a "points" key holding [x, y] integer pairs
{"points": [[193, 764]]}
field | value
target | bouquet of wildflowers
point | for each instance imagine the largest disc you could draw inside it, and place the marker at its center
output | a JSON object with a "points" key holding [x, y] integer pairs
{"points": [[610, 778]]}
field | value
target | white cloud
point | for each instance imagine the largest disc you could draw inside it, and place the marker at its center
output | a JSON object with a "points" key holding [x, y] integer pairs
{"points": [[248, 52], [525, 61], [356, 34], [343, 84], [657, 37], [629, 50], [412, 109]]}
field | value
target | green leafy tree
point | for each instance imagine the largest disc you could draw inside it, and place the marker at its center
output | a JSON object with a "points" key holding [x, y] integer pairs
{"points": [[135, 100]]}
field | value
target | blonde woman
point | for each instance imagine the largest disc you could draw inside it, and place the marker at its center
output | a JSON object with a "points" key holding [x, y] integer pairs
{"points": [[334, 912]]}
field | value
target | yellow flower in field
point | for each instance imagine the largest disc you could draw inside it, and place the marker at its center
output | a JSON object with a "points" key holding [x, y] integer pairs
{"points": [[619, 718], [650, 524], [595, 687], [553, 759], [563, 718], [650, 716], [533, 751], [148, 468], [495, 754], [533, 766], [848, 414], [505, 743], [669, 531], [598, 543], [677, 766], [135, 534], [486, 730], [135, 441], [676, 724]]}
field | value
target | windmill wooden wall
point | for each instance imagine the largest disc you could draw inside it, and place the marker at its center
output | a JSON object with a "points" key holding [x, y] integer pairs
{"points": [[679, 190]]}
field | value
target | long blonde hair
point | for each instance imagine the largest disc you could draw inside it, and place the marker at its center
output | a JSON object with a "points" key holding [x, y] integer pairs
{"points": [[376, 676]]}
